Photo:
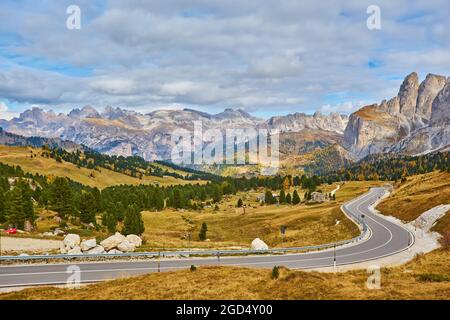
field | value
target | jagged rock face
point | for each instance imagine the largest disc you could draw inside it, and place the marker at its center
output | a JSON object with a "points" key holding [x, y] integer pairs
{"points": [[440, 112], [407, 94], [428, 90], [393, 106], [299, 121], [406, 123], [371, 130]]}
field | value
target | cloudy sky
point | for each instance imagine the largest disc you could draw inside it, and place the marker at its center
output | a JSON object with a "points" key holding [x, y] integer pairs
{"points": [[267, 57]]}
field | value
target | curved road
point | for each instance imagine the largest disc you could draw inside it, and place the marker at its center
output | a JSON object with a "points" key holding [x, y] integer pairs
{"points": [[386, 239]]}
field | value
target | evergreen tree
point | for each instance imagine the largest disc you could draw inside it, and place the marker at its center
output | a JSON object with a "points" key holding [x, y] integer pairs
{"points": [[2, 205], [203, 230], [27, 201], [61, 197], [216, 193], [87, 206], [14, 210], [159, 200], [295, 198], [133, 223], [97, 198], [202, 194], [109, 220], [282, 196], [178, 199], [269, 198], [288, 198]]}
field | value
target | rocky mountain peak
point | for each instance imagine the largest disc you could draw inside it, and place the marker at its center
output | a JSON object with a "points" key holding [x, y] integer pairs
{"points": [[428, 90], [408, 93], [85, 112], [440, 111]]}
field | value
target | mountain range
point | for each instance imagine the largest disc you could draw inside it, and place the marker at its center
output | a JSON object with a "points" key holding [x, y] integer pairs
{"points": [[124, 132], [416, 121]]}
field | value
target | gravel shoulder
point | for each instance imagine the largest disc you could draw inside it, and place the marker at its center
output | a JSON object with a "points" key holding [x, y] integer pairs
{"points": [[13, 244]]}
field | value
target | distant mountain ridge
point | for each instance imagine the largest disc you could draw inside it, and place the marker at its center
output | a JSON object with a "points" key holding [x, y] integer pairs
{"points": [[10, 139], [125, 132]]}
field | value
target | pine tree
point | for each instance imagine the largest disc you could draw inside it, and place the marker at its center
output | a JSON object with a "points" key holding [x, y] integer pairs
{"points": [[268, 198], [282, 196], [2, 205], [88, 206], [203, 230], [159, 200], [133, 223], [61, 197], [178, 199], [288, 198], [109, 220], [27, 202], [14, 210], [216, 193], [295, 198]]}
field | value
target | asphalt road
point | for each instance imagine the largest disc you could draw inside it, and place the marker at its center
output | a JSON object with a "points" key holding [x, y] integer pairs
{"points": [[386, 239]]}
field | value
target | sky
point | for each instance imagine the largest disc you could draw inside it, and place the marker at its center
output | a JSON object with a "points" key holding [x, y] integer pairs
{"points": [[265, 57]]}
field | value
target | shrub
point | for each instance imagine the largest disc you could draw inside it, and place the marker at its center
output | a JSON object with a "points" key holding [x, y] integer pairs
{"points": [[275, 272], [203, 230], [432, 277], [193, 268]]}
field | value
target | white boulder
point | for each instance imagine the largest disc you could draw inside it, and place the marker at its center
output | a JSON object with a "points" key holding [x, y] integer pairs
{"points": [[96, 250], [114, 251], [75, 250], [134, 239], [48, 234], [113, 241], [71, 241], [58, 232], [126, 246], [258, 244], [88, 244]]}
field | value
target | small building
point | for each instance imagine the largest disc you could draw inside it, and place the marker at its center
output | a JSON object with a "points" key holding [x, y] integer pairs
{"points": [[317, 197]]}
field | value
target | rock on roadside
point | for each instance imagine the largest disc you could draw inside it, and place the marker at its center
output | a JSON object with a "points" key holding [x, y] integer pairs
{"points": [[113, 241], [71, 241], [134, 239], [96, 250], [87, 245], [258, 244], [126, 246]]}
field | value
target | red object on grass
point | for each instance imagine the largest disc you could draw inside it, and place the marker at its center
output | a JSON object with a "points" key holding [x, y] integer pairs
{"points": [[11, 231]]}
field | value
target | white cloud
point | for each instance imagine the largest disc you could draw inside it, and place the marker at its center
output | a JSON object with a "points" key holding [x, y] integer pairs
{"points": [[214, 54], [5, 113], [346, 107]]}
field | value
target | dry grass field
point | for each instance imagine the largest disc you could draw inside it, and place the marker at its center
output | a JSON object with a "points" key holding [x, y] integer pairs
{"points": [[426, 277], [417, 195], [307, 224], [21, 156]]}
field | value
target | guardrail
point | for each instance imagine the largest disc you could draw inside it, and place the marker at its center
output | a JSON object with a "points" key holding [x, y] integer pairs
{"points": [[360, 222]]}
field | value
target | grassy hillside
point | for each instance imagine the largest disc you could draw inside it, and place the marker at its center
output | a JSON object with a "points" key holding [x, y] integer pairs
{"points": [[30, 160], [417, 195], [307, 224], [427, 277]]}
